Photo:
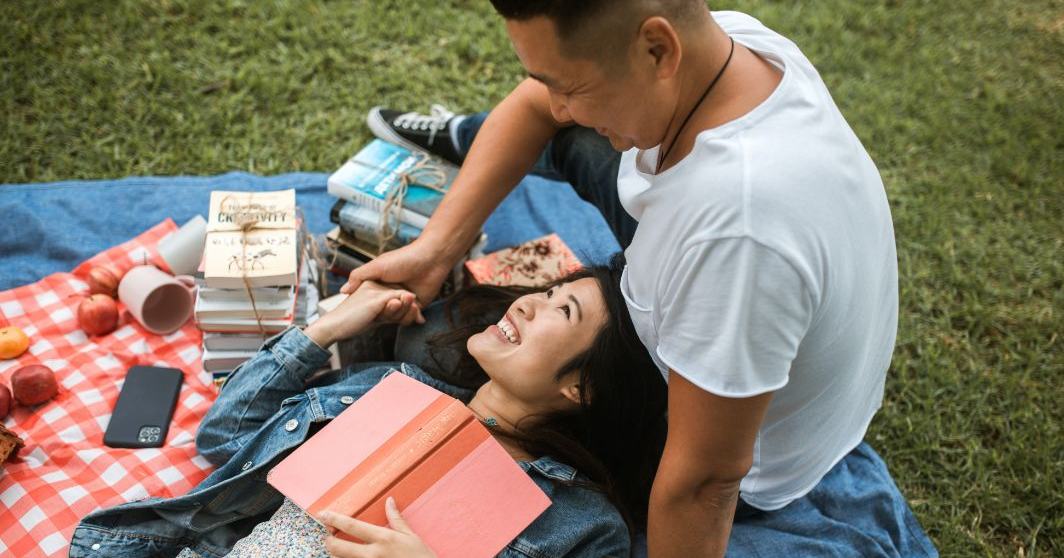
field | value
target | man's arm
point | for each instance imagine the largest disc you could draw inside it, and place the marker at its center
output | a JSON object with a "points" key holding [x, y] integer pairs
{"points": [[507, 145], [708, 451]]}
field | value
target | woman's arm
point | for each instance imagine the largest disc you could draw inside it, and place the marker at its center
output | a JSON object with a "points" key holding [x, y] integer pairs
{"points": [[255, 390]]}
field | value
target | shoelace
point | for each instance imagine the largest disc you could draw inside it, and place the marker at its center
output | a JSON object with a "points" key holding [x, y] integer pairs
{"points": [[433, 122]]}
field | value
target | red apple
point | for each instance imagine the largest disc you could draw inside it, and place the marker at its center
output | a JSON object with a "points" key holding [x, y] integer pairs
{"points": [[5, 402], [98, 314], [34, 384], [104, 279]]}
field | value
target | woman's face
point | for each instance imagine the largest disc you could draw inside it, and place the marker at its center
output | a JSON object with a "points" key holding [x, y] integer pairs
{"points": [[541, 332]]}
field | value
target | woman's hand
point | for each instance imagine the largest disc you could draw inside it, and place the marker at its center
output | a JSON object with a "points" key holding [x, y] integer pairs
{"points": [[417, 266], [370, 303], [380, 542]]}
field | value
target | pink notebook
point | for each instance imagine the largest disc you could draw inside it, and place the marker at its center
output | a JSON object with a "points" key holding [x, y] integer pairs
{"points": [[454, 484]]}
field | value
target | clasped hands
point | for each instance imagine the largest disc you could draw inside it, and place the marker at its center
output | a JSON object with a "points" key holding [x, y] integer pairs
{"points": [[372, 303], [389, 289]]}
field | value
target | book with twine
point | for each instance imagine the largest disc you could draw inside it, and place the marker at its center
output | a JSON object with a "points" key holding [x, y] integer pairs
{"points": [[456, 486], [401, 185], [251, 240]]}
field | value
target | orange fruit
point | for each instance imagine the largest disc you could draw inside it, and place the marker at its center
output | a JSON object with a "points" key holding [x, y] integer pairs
{"points": [[13, 342]]}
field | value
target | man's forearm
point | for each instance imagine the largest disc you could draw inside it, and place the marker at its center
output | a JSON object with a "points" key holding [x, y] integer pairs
{"points": [[690, 522], [506, 147]]}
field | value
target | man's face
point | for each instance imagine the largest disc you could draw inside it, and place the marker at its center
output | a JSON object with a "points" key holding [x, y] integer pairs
{"points": [[617, 103]]}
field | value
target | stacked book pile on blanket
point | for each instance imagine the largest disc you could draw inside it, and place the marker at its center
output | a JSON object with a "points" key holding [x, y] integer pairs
{"points": [[256, 278], [385, 197]]}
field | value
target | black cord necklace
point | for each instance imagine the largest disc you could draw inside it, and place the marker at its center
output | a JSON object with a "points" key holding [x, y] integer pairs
{"points": [[661, 158]]}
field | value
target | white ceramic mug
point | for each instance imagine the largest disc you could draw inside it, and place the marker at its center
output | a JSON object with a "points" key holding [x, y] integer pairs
{"points": [[161, 302], [183, 248]]}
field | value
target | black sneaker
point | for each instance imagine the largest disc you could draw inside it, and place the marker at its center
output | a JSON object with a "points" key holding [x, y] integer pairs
{"points": [[425, 132]]}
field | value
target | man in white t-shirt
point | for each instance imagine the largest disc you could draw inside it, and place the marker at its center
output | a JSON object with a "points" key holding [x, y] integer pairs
{"points": [[762, 272]]}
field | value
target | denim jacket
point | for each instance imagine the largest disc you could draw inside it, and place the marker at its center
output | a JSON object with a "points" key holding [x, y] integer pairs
{"points": [[264, 412]]}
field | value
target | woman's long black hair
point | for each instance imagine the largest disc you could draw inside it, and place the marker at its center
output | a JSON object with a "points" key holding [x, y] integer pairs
{"points": [[617, 436]]}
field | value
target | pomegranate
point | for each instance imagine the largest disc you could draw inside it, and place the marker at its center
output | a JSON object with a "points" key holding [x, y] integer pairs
{"points": [[98, 314], [34, 384]]}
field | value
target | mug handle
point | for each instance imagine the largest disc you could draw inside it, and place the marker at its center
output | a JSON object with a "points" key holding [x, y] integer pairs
{"points": [[187, 281]]}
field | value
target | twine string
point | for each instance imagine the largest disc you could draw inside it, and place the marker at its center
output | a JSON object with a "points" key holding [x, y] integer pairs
{"points": [[423, 172], [246, 217]]}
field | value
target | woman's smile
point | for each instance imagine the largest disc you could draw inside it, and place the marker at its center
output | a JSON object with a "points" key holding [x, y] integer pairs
{"points": [[508, 330]]}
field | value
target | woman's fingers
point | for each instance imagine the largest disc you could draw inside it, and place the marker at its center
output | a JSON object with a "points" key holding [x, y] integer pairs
{"points": [[398, 540], [412, 315], [364, 531], [395, 519], [340, 548], [392, 309], [402, 309]]}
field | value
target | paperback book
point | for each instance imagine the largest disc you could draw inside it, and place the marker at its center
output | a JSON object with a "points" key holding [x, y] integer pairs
{"points": [[456, 486], [217, 361], [207, 308], [233, 341], [263, 256], [376, 171], [265, 294], [340, 239], [365, 224]]}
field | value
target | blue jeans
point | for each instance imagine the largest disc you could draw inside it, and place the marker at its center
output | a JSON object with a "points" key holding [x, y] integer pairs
{"points": [[581, 157], [856, 510]]}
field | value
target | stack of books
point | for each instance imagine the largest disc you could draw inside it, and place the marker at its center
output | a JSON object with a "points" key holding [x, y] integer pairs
{"points": [[367, 224], [254, 280]]}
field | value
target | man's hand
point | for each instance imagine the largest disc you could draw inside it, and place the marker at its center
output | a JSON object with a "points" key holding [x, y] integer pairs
{"points": [[416, 267], [380, 542], [371, 303]]}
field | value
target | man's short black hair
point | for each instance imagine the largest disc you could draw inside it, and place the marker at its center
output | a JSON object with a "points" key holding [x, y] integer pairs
{"points": [[567, 15], [598, 26]]}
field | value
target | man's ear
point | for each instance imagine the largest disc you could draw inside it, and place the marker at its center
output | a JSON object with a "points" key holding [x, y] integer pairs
{"points": [[660, 45]]}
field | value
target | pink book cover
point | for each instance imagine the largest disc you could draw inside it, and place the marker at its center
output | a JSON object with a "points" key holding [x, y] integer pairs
{"points": [[530, 264], [455, 485]]}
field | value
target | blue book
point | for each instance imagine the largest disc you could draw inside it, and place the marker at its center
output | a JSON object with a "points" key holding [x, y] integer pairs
{"points": [[368, 177], [365, 223]]}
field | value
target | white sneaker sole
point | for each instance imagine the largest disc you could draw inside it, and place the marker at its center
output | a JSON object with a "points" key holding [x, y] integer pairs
{"points": [[380, 128]]}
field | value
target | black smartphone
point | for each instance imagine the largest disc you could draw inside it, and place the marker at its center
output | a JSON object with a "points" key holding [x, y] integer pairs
{"points": [[144, 408]]}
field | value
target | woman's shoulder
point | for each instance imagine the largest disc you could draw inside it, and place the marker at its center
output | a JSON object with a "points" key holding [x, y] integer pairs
{"points": [[581, 520]]}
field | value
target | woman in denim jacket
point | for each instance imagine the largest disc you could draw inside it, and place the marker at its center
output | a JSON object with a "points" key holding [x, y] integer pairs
{"points": [[569, 392]]}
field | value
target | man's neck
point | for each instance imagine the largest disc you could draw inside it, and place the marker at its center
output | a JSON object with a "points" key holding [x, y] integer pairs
{"points": [[746, 82]]}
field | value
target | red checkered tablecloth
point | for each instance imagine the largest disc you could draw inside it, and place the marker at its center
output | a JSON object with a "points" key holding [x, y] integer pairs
{"points": [[65, 471]]}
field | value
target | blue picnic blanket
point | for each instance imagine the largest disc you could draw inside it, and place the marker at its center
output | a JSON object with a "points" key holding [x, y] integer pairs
{"points": [[855, 511], [52, 227]]}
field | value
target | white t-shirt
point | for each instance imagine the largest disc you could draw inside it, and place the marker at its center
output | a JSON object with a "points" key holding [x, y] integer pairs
{"points": [[765, 261]]}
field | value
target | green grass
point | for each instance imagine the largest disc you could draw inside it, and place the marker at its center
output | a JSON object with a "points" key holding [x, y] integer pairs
{"points": [[958, 102]]}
